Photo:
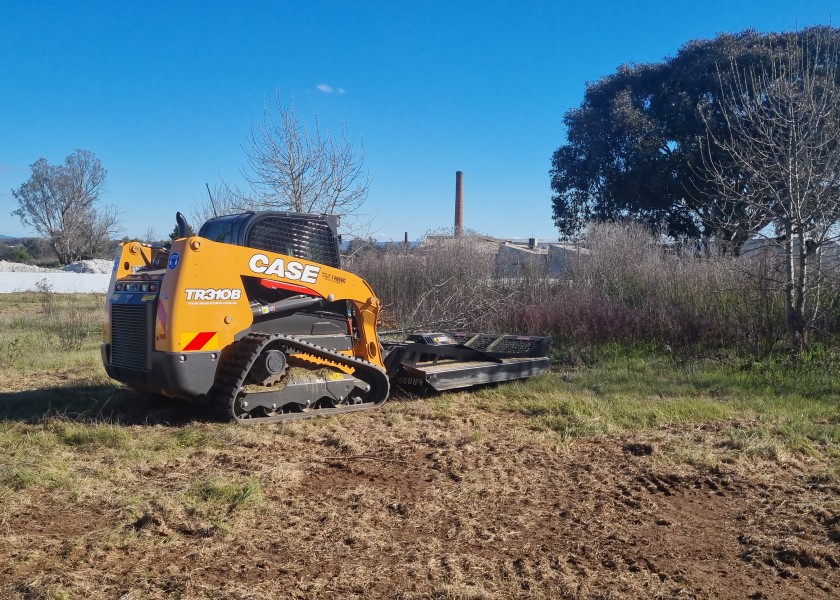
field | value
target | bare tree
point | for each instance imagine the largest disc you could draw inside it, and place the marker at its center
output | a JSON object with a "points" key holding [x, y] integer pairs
{"points": [[294, 168], [783, 133], [291, 167], [58, 202]]}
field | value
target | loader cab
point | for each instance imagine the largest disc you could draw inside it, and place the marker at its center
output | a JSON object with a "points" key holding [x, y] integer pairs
{"points": [[222, 229], [301, 235]]}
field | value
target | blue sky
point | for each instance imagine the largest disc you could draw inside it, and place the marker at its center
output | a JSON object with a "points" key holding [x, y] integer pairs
{"points": [[164, 93]]}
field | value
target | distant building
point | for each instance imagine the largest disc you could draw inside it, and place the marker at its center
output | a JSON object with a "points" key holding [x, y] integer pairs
{"points": [[516, 258], [481, 243], [562, 256]]}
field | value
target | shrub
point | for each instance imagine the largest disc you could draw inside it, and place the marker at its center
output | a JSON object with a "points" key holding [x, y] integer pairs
{"points": [[19, 254], [64, 316], [630, 288]]}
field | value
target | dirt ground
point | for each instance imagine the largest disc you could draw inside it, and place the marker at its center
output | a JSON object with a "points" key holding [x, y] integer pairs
{"points": [[431, 500]]}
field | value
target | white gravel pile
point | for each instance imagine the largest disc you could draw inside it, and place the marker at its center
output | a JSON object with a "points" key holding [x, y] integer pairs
{"points": [[96, 265], [12, 267]]}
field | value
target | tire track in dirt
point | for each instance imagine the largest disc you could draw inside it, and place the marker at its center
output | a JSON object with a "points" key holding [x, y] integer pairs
{"points": [[366, 509]]}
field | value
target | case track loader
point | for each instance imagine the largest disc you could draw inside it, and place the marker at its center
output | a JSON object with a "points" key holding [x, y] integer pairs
{"points": [[255, 315]]}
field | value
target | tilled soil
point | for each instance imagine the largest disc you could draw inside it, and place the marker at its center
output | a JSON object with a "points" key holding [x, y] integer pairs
{"points": [[409, 503]]}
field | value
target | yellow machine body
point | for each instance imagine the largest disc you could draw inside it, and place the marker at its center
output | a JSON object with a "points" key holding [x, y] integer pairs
{"points": [[204, 292]]}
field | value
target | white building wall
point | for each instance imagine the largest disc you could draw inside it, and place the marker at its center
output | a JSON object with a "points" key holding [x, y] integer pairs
{"points": [[85, 283]]}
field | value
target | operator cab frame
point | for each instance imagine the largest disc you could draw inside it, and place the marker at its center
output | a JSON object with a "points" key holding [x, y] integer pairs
{"points": [[307, 236]]}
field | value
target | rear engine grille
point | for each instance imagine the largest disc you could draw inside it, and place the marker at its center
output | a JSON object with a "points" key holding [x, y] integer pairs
{"points": [[309, 239], [131, 335]]}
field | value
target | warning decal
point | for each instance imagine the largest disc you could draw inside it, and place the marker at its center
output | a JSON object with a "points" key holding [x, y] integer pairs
{"points": [[203, 340]]}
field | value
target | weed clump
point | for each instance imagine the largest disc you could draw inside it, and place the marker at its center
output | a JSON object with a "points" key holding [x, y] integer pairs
{"points": [[92, 437], [230, 494]]}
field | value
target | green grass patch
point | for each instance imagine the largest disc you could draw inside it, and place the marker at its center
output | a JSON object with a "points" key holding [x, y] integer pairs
{"points": [[31, 457], [93, 437], [17, 478], [795, 404], [22, 473], [47, 454], [193, 437], [231, 495], [49, 332]]}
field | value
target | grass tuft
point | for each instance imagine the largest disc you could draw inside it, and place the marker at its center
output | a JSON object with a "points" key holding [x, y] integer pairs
{"points": [[93, 437], [192, 437], [18, 478], [231, 494]]}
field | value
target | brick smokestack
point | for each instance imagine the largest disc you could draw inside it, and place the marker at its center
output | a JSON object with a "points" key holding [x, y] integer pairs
{"points": [[459, 203]]}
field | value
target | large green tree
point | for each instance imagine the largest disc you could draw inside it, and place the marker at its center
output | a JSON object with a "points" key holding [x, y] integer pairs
{"points": [[635, 147]]}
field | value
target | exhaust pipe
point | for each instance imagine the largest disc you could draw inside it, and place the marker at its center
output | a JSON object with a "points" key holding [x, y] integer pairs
{"points": [[182, 225]]}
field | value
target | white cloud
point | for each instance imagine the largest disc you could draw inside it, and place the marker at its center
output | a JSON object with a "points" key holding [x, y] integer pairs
{"points": [[328, 89]]}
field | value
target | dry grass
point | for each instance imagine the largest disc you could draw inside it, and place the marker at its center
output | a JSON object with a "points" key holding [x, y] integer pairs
{"points": [[473, 505], [634, 478], [630, 289]]}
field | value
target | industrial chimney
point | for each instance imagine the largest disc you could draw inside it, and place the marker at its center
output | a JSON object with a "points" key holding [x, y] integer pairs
{"points": [[459, 203]]}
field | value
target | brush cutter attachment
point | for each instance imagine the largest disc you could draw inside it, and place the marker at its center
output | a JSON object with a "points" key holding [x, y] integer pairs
{"points": [[448, 361]]}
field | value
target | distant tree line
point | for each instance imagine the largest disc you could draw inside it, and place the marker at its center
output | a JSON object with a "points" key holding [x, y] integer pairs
{"points": [[26, 250]]}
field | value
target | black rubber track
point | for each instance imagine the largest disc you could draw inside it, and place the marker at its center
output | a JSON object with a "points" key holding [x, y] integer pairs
{"points": [[238, 360]]}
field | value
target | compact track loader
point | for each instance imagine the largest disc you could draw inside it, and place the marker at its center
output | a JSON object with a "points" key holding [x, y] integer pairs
{"points": [[255, 315]]}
